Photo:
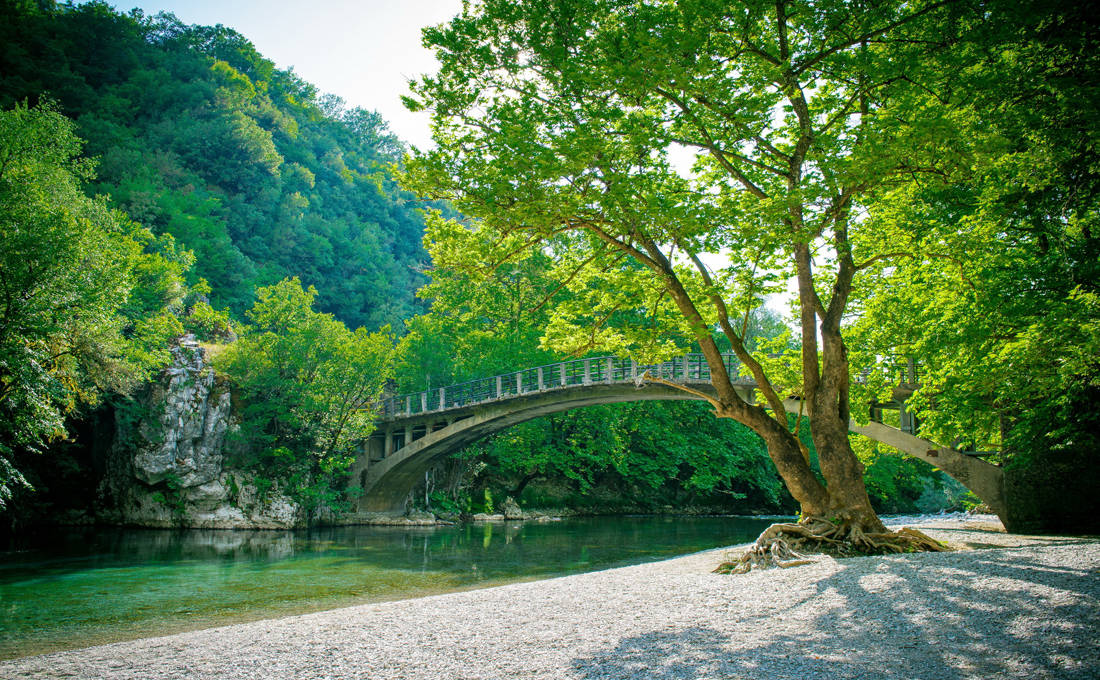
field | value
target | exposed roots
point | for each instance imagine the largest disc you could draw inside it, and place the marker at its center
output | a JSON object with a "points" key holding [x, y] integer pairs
{"points": [[789, 545]]}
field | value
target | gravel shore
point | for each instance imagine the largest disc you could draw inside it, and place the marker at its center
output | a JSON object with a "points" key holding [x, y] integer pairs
{"points": [[1005, 606]]}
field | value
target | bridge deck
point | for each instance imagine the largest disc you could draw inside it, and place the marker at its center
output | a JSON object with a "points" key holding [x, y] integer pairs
{"points": [[416, 430], [687, 369]]}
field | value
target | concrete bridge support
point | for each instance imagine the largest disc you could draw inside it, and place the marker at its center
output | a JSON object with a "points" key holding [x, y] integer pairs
{"points": [[987, 481]]}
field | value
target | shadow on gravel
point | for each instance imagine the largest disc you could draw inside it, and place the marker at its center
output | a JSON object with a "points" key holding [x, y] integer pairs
{"points": [[690, 653], [999, 615]]}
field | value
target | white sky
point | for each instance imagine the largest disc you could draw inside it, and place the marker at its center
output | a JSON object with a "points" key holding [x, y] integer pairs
{"points": [[364, 51]]}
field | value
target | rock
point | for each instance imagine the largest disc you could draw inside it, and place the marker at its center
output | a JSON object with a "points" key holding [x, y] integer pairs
{"points": [[188, 415], [420, 516], [510, 509], [165, 468], [277, 512], [205, 497]]}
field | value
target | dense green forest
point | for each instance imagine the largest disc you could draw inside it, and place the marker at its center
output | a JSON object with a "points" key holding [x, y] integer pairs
{"points": [[247, 166], [158, 178], [212, 174]]}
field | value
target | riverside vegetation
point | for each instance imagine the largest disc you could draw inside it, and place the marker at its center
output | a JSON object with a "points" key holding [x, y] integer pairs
{"points": [[927, 184], [843, 150]]}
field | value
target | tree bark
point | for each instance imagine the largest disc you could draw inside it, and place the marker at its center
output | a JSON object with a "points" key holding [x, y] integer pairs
{"points": [[786, 454], [527, 479]]}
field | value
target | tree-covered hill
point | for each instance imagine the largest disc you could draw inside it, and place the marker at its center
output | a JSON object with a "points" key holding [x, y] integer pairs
{"points": [[200, 136]]}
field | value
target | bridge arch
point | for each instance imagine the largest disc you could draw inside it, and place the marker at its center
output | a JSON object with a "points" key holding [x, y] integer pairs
{"points": [[450, 418]]}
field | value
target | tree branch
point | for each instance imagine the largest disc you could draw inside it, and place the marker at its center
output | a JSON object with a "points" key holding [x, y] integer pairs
{"points": [[711, 145], [573, 275], [813, 60], [737, 342], [730, 154]]}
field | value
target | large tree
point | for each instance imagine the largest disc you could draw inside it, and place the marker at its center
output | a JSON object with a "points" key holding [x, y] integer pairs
{"points": [[559, 125], [303, 380]]}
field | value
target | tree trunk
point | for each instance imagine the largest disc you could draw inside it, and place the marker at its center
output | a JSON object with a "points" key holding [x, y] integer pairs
{"points": [[527, 479], [786, 454], [848, 500]]}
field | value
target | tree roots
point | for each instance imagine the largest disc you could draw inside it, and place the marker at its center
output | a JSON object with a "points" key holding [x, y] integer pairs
{"points": [[789, 545]]}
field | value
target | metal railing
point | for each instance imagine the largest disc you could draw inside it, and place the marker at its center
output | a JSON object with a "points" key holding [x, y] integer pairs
{"points": [[687, 368]]}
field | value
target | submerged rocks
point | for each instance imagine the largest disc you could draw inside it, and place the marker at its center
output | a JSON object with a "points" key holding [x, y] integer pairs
{"points": [[413, 519]]}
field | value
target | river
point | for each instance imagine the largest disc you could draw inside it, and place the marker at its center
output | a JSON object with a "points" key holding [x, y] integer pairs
{"points": [[81, 587]]}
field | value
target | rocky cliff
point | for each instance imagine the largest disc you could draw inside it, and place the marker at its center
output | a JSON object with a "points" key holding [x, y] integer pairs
{"points": [[166, 465]]}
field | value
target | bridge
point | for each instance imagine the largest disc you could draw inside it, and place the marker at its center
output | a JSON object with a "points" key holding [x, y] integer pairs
{"points": [[416, 431]]}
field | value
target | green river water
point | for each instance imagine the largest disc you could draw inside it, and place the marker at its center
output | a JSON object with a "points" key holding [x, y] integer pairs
{"points": [[81, 587]]}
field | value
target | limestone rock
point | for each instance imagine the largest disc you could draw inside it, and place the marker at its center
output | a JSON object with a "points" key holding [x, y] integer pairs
{"points": [[188, 418], [510, 509], [165, 468]]}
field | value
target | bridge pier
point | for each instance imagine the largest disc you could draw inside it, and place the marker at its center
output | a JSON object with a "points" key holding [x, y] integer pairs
{"points": [[375, 447]]}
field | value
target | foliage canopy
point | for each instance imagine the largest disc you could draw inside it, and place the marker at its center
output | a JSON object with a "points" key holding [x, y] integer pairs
{"points": [[88, 298]]}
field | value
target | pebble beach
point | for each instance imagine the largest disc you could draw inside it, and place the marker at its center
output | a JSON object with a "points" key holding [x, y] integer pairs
{"points": [[1000, 606]]}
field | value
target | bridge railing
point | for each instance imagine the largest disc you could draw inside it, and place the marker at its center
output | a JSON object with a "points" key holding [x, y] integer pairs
{"points": [[686, 368]]}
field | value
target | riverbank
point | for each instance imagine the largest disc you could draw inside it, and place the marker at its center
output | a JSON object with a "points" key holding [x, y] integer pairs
{"points": [[1007, 606]]}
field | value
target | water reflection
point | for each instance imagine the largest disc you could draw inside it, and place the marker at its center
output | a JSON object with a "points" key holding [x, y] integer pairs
{"points": [[88, 586]]}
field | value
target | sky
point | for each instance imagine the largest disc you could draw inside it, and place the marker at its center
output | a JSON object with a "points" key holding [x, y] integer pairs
{"points": [[364, 51]]}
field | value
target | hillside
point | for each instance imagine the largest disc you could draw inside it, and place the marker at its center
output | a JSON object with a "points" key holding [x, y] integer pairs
{"points": [[248, 166]]}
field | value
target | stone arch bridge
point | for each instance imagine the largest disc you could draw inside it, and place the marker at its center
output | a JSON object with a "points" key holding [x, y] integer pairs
{"points": [[416, 431]]}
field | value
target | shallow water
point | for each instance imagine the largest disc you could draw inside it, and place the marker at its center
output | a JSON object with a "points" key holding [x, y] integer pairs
{"points": [[77, 588]]}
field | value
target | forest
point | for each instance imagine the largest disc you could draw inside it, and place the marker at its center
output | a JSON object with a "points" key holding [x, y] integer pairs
{"points": [[933, 191]]}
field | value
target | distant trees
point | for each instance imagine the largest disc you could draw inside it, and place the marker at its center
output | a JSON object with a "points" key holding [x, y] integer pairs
{"points": [[640, 456], [199, 136]]}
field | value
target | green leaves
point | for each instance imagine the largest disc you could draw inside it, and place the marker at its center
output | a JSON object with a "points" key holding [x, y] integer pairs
{"points": [[308, 388], [87, 297], [641, 455]]}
